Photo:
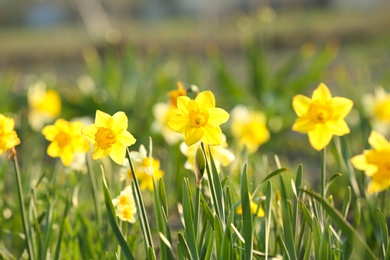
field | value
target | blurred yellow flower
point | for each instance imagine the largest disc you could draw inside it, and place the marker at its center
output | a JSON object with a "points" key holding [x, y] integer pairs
{"points": [[221, 155], [174, 94], [66, 140], [255, 208], [249, 128], [8, 136], [109, 136], [124, 205], [322, 116], [162, 113], [199, 119], [375, 163], [377, 106], [45, 105], [145, 167]]}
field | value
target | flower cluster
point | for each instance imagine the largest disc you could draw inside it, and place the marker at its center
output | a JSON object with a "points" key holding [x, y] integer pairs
{"points": [[124, 205]]}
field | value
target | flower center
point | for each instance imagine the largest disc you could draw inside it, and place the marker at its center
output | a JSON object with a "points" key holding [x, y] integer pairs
{"points": [[319, 113], [382, 160], [62, 139], [124, 200], [198, 118], [127, 214], [105, 138]]}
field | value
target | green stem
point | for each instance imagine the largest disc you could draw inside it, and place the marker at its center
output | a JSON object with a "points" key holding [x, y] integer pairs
{"points": [[196, 216], [141, 207], [23, 210], [323, 173], [92, 178]]}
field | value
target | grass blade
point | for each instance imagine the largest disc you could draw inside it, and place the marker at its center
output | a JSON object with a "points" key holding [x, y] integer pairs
{"points": [[246, 216], [351, 234], [112, 220]]}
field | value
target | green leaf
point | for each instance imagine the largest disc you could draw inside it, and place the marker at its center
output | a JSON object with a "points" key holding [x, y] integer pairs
{"points": [[383, 231], [184, 246], [349, 232], [61, 232], [188, 215], [246, 216], [112, 220], [275, 173]]}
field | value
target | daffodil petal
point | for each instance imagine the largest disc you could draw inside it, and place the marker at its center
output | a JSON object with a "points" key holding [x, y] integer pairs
{"points": [[67, 156], [377, 186], [320, 137], [126, 139], [99, 153], [303, 125], [322, 93], [378, 142], [118, 153], [338, 127], [120, 122], [178, 123], [101, 118], [49, 132], [184, 105], [89, 133], [212, 135], [301, 104], [341, 106], [192, 135], [205, 100], [217, 116], [53, 150]]}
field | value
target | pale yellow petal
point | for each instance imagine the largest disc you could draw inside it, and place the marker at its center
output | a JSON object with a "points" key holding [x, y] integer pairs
{"points": [[120, 122], [341, 107], [89, 133], [192, 135], [338, 127], [303, 125], [322, 93], [378, 141], [178, 123], [126, 139], [101, 118], [320, 137], [118, 153], [217, 116], [212, 135], [301, 104], [205, 100]]}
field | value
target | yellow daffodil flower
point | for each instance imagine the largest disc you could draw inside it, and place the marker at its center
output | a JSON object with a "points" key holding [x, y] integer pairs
{"points": [[66, 140], [124, 205], [44, 105], [249, 128], [145, 167], [255, 208], [162, 113], [322, 116], [174, 94], [221, 155], [109, 136], [375, 163], [8, 136], [377, 107], [199, 119]]}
